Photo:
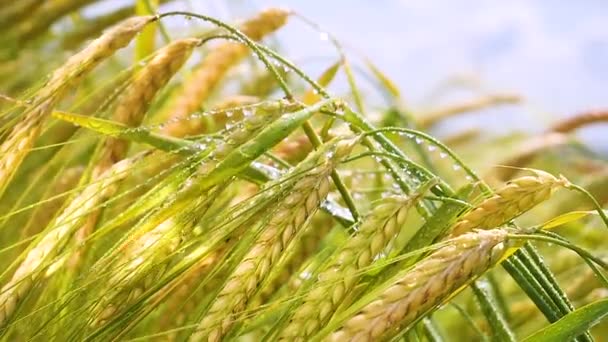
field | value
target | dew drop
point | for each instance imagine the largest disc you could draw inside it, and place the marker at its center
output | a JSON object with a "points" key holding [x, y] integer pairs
{"points": [[443, 155], [432, 148], [419, 141], [247, 113], [229, 114], [469, 178], [455, 167]]}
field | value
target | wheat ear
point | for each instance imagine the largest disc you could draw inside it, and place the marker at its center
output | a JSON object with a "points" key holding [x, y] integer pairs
{"points": [[424, 287], [517, 197], [206, 76], [338, 278], [284, 223], [131, 109], [54, 239], [44, 16], [292, 261], [22, 137]]}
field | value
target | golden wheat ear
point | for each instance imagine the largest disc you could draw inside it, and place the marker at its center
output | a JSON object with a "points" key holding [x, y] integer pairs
{"points": [[427, 285], [517, 197]]}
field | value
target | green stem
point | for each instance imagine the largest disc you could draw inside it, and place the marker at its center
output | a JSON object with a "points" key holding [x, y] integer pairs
{"points": [[492, 312], [596, 204]]}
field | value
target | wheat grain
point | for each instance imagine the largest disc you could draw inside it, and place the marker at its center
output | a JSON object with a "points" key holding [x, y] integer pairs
{"points": [[518, 196], [205, 77], [425, 286], [294, 258], [338, 278], [284, 223], [54, 239]]}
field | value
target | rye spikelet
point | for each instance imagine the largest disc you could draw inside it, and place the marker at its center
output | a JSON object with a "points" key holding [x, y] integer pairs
{"points": [[424, 287], [339, 277], [22, 137], [517, 197], [289, 218], [55, 238], [206, 76]]}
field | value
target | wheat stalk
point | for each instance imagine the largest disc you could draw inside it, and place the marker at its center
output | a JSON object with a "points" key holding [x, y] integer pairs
{"points": [[205, 77], [55, 238], [424, 287], [284, 223], [517, 197]]}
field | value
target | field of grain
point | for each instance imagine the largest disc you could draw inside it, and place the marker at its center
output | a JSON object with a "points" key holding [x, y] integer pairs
{"points": [[162, 182]]}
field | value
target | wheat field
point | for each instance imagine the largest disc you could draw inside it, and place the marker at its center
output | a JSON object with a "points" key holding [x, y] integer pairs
{"points": [[161, 182]]}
